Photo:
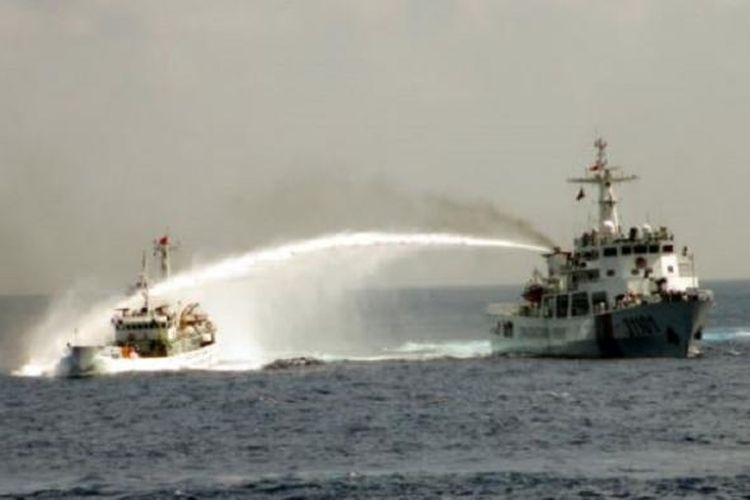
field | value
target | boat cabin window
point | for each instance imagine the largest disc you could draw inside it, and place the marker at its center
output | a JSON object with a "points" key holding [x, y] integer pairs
{"points": [[585, 275], [640, 249], [653, 249], [599, 301], [627, 250], [580, 304], [668, 249], [610, 252], [592, 255], [610, 272], [562, 306]]}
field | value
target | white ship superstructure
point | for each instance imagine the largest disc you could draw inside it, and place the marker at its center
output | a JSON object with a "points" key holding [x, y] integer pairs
{"points": [[617, 293], [155, 335]]}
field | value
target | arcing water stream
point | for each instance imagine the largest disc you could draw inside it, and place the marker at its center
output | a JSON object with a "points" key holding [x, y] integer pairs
{"points": [[229, 298], [238, 267]]}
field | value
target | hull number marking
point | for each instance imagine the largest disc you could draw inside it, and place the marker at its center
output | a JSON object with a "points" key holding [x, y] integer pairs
{"points": [[641, 326]]}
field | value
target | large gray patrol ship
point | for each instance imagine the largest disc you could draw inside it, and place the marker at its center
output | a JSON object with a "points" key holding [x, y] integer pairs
{"points": [[617, 294]]}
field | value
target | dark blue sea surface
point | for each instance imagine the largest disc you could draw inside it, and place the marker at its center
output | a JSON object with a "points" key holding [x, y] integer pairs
{"points": [[440, 428]]}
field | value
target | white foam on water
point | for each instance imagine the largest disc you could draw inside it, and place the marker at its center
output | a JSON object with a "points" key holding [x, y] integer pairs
{"points": [[257, 297], [454, 349], [718, 334], [418, 351]]}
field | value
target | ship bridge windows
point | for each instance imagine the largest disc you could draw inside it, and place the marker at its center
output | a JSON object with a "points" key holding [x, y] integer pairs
{"points": [[585, 275], [580, 304], [640, 249], [591, 255], [610, 252], [626, 250], [562, 306], [668, 249], [653, 249], [599, 301]]}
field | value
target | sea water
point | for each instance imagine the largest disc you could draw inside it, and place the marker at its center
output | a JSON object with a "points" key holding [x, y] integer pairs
{"points": [[419, 411]]}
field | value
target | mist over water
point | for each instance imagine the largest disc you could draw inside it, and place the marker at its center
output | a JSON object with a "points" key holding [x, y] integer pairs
{"points": [[283, 301]]}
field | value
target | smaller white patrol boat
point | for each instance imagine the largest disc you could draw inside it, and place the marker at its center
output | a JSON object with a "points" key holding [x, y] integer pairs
{"points": [[154, 336]]}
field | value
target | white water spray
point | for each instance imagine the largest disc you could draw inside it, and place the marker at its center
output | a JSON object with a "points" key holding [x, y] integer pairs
{"points": [[238, 267], [49, 338]]}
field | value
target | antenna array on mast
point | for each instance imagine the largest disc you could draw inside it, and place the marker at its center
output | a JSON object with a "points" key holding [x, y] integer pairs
{"points": [[604, 176]]}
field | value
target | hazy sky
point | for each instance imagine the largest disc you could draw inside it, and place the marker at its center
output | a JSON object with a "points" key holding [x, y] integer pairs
{"points": [[245, 123]]}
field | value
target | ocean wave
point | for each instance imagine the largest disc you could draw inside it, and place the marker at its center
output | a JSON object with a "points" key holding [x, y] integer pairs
{"points": [[289, 363]]}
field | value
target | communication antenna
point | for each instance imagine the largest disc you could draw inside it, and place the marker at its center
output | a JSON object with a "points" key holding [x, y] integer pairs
{"points": [[142, 283]]}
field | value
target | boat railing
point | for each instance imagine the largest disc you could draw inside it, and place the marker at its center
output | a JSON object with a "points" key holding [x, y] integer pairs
{"points": [[690, 295]]}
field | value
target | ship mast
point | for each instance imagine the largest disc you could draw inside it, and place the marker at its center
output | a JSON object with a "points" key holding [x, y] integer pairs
{"points": [[162, 249], [604, 176], [142, 284]]}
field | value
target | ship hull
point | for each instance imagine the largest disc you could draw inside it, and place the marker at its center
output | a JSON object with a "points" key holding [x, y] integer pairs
{"points": [[84, 361], [664, 329]]}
